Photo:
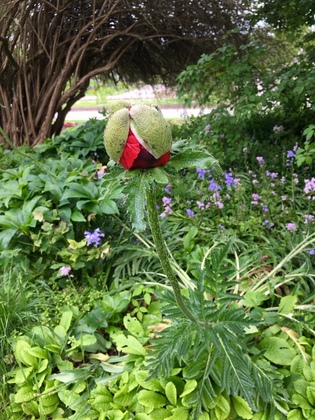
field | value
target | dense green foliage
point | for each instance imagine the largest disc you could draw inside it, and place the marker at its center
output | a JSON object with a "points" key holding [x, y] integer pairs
{"points": [[103, 319]]}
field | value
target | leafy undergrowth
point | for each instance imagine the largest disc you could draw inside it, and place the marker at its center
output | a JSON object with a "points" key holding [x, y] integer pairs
{"points": [[89, 328]]}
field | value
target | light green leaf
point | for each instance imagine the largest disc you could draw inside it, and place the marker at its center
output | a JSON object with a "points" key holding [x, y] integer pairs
{"points": [[295, 415], [69, 376], [287, 304], [38, 352], [66, 319], [21, 345], [171, 393], [151, 399], [24, 394], [278, 350], [151, 384], [133, 326], [129, 345], [160, 414], [310, 393], [242, 408], [300, 401], [124, 397], [21, 375], [190, 385]]}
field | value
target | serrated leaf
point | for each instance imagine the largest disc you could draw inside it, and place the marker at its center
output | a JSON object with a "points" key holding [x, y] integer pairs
{"points": [[242, 408], [193, 159], [287, 304], [151, 399], [136, 200], [171, 393]]}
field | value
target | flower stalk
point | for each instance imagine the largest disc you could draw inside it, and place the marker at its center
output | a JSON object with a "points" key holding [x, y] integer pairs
{"points": [[163, 253]]}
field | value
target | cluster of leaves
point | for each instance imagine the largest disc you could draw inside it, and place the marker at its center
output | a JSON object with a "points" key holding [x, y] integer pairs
{"points": [[48, 200], [263, 105]]}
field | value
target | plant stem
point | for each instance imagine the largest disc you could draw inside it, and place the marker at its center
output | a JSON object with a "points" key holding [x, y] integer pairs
{"points": [[162, 252]]}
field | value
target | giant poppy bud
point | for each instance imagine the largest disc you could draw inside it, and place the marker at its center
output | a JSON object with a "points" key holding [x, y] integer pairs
{"points": [[138, 137]]}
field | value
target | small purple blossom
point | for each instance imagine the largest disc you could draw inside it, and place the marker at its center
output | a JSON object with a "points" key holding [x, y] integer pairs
{"points": [[64, 271], [167, 189], [308, 218], [311, 251], [309, 186], [94, 237], [167, 201], [202, 172], [213, 186], [291, 154], [291, 226], [268, 224], [265, 208], [207, 128], [256, 197], [260, 160], [200, 204], [229, 180], [190, 213]]}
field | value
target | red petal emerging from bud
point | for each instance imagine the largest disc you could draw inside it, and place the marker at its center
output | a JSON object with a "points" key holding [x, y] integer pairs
{"points": [[136, 156]]}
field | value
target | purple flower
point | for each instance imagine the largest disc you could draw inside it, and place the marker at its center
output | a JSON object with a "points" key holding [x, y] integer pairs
{"points": [[229, 180], [167, 189], [265, 208], [213, 186], [190, 213], [256, 197], [207, 128], [291, 226], [267, 224], [64, 271], [167, 201], [309, 185], [94, 237], [202, 173], [260, 160], [291, 154], [200, 204], [308, 218], [311, 251]]}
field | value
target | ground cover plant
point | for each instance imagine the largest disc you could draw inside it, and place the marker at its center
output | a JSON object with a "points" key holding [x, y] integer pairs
{"points": [[104, 320]]}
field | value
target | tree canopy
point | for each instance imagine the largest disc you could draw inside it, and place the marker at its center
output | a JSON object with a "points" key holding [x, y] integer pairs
{"points": [[50, 50]]}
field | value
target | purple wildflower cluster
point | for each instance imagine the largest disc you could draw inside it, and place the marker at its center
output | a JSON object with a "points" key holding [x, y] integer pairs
{"points": [[94, 237], [309, 188]]}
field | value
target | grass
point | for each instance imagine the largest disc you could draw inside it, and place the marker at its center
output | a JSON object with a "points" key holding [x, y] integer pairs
{"points": [[97, 97]]}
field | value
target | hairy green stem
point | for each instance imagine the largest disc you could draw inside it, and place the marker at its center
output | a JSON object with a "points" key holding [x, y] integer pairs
{"points": [[163, 253]]}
